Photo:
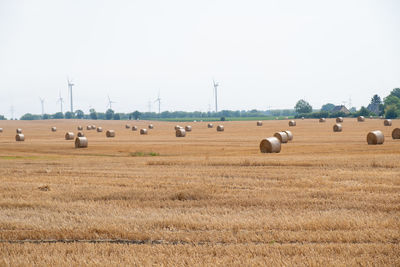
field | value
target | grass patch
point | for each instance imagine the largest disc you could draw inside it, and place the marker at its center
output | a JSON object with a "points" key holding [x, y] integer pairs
{"points": [[19, 157], [144, 154]]}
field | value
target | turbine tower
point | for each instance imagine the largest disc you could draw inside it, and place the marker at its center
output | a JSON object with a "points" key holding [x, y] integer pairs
{"points": [[216, 84], [109, 105], [42, 103], [60, 100], [70, 85], [159, 102]]}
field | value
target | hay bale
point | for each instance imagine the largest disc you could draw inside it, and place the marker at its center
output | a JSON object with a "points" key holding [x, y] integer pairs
{"points": [[93, 127], [134, 128], [396, 133], [99, 129], [370, 117], [80, 134], [1, 130], [270, 145], [210, 125], [302, 118], [81, 142], [259, 123], [360, 118], [180, 132], [177, 127], [143, 131], [151, 126], [339, 119], [290, 135], [127, 126], [110, 133], [322, 120], [20, 137], [387, 122], [292, 123], [188, 128], [80, 128], [89, 127], [337, 127], [69, 136], [220, 128], [19, 131], [375, 138], [54, 129], [282, 137]]}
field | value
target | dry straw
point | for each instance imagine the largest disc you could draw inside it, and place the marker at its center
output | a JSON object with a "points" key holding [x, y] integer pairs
{"points": [[302, 118], [1, 130], [81, 142], [99, 129], [80, 128], [339, 119], [387, 122], [188, 128], [282, 137], [143, 131], [210, 125], [93, 127], [89, 127], [337, 127], [134, 128], [20, 137], [110, 133], [177, 127], [127, 126], [53, 129], [19, 131], [360, 118], [151, 126], [270, 145], [220, 128], [396, 133], [292, 123], [180, 132], [322, 120], [290, 135], [375, 138], [80, 134], [259, 123], [69, 136]]}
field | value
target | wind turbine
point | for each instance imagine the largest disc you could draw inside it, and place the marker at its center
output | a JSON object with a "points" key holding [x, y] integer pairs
{"points": [[110, 102], [159, 102], [216, 84], [42, 103], [60, 100], [70, 85]]}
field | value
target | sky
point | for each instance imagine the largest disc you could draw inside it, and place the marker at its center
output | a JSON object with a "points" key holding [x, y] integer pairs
{"points": [[264, 54]]}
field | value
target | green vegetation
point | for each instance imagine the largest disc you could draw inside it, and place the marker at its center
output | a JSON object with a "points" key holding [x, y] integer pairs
{"points": [[303, 106], [144, 154]]}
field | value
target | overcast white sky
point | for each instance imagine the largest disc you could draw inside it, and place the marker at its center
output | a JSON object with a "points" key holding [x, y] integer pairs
{"points": [[263, 53]]}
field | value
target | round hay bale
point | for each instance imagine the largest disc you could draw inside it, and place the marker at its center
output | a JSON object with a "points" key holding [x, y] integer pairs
{"points": [[292, 123], [80, 128], [177, 127], [220, 128], [110, 133], [143, 131], [151, 126], [69, 136], [337, 127], [127, 126], [322, 120], [80, 134], [20, 137], [270, 145], [259, 123], [360, 118], [81, 142], [370, 117], [302, 118], [89, 127], [282, 137], [134, 128], [290, 135], [396, 133], [339, 119], [1, 130], [99, 129], [19, 131], [93, 127], [210, 125], [375, 138], [387, 122], [54, 129], [276, 118], [180, 132], [188, 128]]}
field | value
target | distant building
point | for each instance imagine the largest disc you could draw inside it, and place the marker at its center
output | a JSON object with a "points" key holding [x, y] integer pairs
{"points": [[374, 108], [340, 108]]}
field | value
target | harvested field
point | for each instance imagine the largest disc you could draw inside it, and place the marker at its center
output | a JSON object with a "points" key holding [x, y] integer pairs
{"points": [[206, 199]]}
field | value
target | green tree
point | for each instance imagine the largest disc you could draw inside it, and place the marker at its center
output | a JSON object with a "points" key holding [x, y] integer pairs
{"points": [[27, 117], [46, 116], [376, 100], [2, 118], [395, 92], [109, 114], [69, 115], [79, 114], [58, 115], [391, 112], [392, 100], [93, 114], [116, 117], [328, 107], [303, 106], [136, 114], [363, 111]]}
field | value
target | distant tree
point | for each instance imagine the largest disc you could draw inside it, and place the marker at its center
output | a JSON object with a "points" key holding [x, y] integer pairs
{"points": [[392, 100], [363, 111], [2, 118], [58, 115], [395, 92], [303, 106], [109, 114], [222, 119], [116, 116], [45, 117], [79, 114], [136, 114], [353, 110], [391, 112], [69, 115], [93, 114], [328, 107], [376, 100], [27, 117]]}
